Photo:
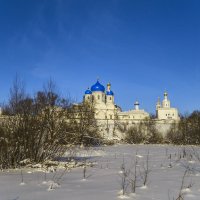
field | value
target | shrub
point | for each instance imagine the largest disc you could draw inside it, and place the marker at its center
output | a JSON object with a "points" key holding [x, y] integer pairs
{"points": [[134, 135]]}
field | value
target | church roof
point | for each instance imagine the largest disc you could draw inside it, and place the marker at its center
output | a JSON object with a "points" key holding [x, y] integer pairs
{"points": [[97, 87], [88, 91], [109, 93]]}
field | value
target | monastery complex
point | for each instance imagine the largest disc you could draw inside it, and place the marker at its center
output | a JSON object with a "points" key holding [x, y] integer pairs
{"points": [[108, 113]]}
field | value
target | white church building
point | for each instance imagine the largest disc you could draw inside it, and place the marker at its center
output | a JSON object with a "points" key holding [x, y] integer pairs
{"points": [[164, 110], [108, 113]]}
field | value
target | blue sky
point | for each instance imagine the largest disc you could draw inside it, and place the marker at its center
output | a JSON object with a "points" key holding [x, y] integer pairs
{"points": [[142, 47]]}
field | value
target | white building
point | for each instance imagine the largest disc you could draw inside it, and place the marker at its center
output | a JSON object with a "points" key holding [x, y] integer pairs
{"points": [[104, 101], [164, 110], [108, 113], [133, 115], [105, 108]]}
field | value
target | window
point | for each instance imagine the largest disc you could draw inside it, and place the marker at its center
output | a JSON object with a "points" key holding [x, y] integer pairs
{"points": [[98, 96], [110, 98], [105, 117], [110, 116], [88, 97]]}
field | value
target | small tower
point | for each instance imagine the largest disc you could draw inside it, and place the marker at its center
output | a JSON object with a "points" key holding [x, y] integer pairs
{"points": [[166, 101], [108, 86], [158, 104], [88, 95], [136, 104], [109, 95]]}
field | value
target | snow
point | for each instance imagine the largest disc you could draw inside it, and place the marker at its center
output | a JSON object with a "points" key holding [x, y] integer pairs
{"points": [[103, 180]]}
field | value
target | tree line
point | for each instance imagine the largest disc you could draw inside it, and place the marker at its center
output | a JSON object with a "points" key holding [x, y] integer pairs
{"points": [[43, 126], [187, 131], [144, 131], [184, 132]]}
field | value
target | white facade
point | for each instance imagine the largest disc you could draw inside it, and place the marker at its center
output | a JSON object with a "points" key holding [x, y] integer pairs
{"points": [[164, 110], [108, 113], [133, 115], [105, 108]]}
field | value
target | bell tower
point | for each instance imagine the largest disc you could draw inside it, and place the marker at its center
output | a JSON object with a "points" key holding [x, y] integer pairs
{"points": [[88, 95], [109, 95], [136, 104], [166, 101], [158, 104]]}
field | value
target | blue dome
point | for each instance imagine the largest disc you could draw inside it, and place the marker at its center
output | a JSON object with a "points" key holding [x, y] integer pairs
{"points": [[88, 91], [109, 93], [97, 87]]}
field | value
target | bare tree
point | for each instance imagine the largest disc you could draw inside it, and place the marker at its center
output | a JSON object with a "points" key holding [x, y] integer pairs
{"points": [[84, 129], [180, 194], [124, 178], [85, 169], [134, 175], [146, 170], [143, 132], [135, 134], [17, 94], [35, 128], [187, 130]]}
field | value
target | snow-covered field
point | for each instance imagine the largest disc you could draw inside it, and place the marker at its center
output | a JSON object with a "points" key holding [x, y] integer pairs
{"points": [[167, 165]]}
